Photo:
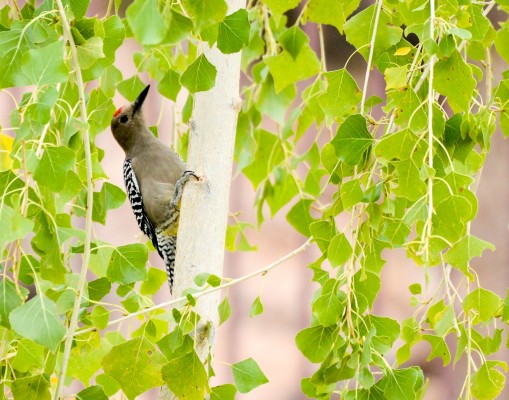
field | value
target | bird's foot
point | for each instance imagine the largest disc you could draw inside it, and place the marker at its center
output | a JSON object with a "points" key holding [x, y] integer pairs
{"points": [[179, 186]]}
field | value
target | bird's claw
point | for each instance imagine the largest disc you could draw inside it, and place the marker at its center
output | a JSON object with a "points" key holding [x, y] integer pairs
{"points": [[190, 173]]}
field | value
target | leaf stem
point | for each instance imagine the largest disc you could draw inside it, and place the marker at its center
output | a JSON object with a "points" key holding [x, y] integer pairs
{"points": [[431, 100], [261, 271], [88, 215], [370, 57]]}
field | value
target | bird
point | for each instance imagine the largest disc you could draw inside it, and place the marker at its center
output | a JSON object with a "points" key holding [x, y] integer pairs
{"points": [[154, 178]]}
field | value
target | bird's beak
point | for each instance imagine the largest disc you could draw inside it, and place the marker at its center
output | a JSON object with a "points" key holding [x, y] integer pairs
{"points": [[140, 99]]}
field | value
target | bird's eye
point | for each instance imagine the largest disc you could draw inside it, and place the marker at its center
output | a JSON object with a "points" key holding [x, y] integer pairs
{"points": [[124, 119]]}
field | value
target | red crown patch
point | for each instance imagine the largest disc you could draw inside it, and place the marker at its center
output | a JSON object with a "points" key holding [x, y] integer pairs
{"points": [[118, 111]]}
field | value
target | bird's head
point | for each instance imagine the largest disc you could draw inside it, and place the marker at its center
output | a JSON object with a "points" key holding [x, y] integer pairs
{"points": [[128, 121]]}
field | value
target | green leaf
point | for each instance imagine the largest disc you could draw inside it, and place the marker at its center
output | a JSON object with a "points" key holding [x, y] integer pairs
{"points": [[230, 241], [86, 357], [109, 384], [248, 375], [352, 140], [109, 80], [13, 45], [14, 226], [415, 288], [451, 216], [38, 321], [100, 317], [200, 76], [502, 43], [328, 309], [315, 342], [201, 279], [29, 355], [186, 377], [268, 153], [223, 392], [410, 184], [439, 348], [170, 85], [95, 392], [135, 365], [78, 7], [53, 167], [205, 13], [403, 384], [339, 250], [99, 288], [395, 77], [281, 6], [233, 33], [275, 105], [329, 12], [178, 27], [342, 94], [502, 98], [480, 23], [462, 252], [453, 79], [44, 66], [109, 198], [322, 232], [367, 285], [131, 88], [488, 381], [90, 51], [155, 279], [482, 304], [146, 21], [293, 40], [127, 264], [409, 111], [400, 145], [214, 280], [9, 300], [284, 190], [224, 310], [351, 193], [359, 30], [100, 109], [34, 387], [286, 70], [300, 218], [256, 307]]}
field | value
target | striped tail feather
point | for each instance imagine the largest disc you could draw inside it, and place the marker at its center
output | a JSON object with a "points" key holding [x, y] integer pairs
{"points": [[167, 248]]}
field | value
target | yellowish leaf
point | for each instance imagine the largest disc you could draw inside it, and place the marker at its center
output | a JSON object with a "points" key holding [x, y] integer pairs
{"points": [[5, 149], [402, 51]]}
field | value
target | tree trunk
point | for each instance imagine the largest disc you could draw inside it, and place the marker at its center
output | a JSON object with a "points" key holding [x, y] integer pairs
{"points": [[205, 204]]}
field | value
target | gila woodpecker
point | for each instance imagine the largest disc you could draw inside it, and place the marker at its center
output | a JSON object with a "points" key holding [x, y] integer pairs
{"points": [[154, 178]]}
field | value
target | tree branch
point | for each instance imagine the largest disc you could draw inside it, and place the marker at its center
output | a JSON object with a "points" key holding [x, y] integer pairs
{"points": [[261, 271], [88, 214]]}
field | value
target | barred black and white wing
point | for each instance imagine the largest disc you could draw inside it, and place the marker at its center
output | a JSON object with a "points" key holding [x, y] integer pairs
{"points": [[164, 244], [136, 200]]}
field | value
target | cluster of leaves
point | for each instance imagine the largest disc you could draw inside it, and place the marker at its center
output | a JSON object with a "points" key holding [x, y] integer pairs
{"points": [[401, 168], [402, 171], [43, 186]]}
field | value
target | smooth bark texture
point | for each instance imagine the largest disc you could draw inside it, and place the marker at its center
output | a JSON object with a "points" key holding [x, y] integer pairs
{"points": [[205, 204]]}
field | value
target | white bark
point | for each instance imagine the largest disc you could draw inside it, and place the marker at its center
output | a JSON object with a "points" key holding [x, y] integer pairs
{"points": [[205, 204]]}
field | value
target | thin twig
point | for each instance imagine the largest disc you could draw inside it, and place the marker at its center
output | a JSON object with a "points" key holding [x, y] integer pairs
{"points": [[370, 57], [88, 215], [261, 271]]}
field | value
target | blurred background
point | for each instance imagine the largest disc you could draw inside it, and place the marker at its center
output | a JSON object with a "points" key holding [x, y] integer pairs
{"points": [[287, 290]]}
